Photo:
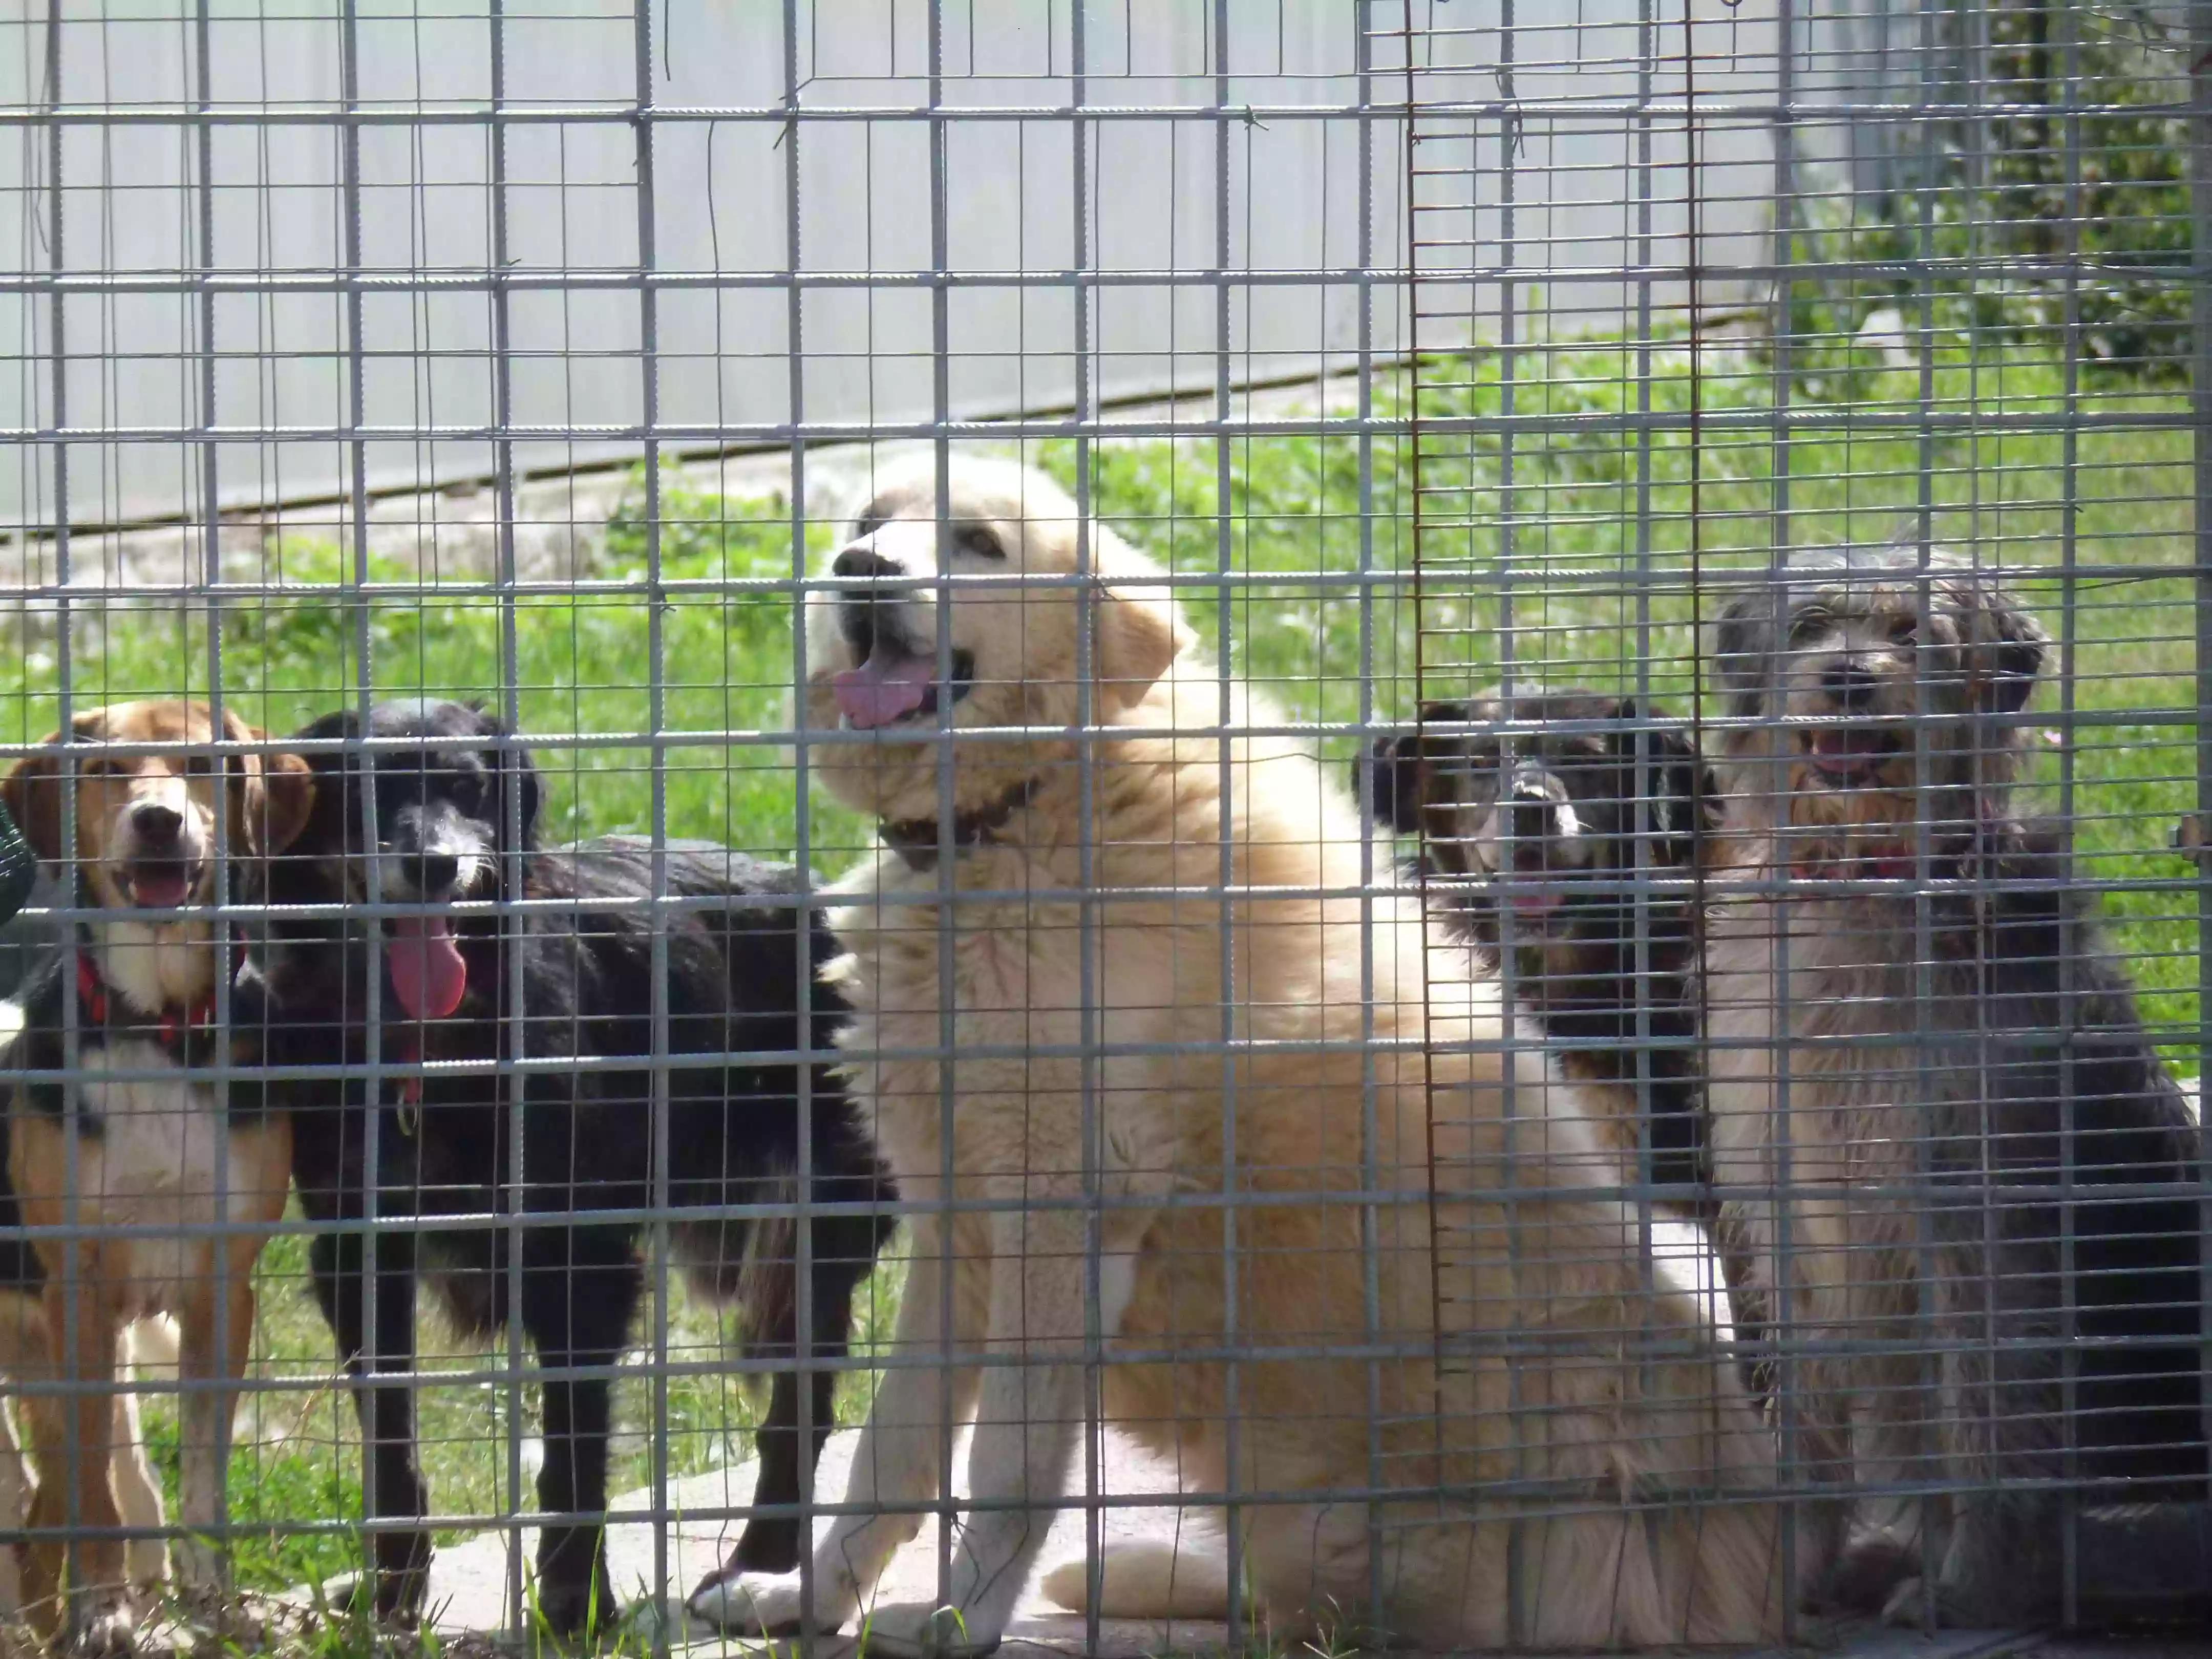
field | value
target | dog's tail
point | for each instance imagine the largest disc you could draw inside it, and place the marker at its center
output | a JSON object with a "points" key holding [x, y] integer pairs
{"points": [[749, 1267], [1147, 1580], [767, 1272]]}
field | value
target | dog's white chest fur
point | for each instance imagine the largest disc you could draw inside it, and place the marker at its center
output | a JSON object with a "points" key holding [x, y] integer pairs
{"points": [[157, 1161], [1015, 988]]}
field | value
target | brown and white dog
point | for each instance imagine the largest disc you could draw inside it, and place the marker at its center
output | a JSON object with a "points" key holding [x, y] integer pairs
{"points": [[150, 1142]]}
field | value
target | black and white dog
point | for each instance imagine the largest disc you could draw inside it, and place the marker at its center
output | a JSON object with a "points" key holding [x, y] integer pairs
{"points": [[1562, 827], [454, 812]]}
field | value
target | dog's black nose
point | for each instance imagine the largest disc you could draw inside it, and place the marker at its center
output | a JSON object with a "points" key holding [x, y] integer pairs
{"points": [[435, 873], [1850, 682], [863, 562], [157, 822]]}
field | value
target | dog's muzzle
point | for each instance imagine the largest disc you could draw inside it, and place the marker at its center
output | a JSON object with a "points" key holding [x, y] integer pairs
{"points": [[1537, 836], [1846, 751], [435, 855], [892, 681], [162, 860]]}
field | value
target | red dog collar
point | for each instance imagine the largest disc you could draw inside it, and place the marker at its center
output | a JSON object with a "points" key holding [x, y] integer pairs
{"points": [[176, 1023]]}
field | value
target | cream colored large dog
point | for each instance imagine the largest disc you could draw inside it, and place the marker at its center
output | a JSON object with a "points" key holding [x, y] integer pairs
{"points": [[1564, 1459]]}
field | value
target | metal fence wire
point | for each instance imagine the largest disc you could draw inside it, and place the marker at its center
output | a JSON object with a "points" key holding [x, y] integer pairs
{"points": [[1153, 824]]}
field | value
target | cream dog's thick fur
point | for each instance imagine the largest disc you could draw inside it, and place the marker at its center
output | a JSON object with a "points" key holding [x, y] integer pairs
{"points": [[1569, 1361]]}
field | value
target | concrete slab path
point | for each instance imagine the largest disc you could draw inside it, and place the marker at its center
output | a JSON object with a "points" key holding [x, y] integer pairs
{"points": [[471, 1583]]}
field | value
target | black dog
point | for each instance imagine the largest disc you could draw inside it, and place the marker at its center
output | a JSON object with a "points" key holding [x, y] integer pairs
{"points": [[447, 804], [1540, 835]]}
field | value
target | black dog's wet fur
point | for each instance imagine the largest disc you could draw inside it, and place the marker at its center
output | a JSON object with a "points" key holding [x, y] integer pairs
{"points": [[1579, 978], [734, 979]]}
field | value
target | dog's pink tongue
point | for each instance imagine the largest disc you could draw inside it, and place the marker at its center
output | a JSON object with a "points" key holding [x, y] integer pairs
{"points": [[427, 973], [159, 889], [887, 685]]}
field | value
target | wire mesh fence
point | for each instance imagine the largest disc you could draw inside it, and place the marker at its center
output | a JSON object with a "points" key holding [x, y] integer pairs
{"points": [[1146, 822]]}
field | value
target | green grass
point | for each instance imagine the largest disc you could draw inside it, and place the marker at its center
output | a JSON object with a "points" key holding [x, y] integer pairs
{"points": [[1583, 536], [297, 1456]]}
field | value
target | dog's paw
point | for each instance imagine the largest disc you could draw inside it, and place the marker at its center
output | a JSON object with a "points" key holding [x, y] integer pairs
{"points": [[571, 1611], [753, 1604], [914, 1630], [200, 1564], [106, 1626], [766, 1546], [400, 1582], [1907, 1605], [147, 1561]]}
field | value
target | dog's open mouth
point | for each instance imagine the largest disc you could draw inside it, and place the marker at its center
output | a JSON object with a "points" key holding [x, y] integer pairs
{"points": [[160, 884], [1846, 752], [1531, 894], [427, 973], [893, 684]]}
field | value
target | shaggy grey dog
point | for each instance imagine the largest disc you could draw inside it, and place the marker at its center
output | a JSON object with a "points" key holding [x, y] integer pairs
{"points": [[1916, 1036]]}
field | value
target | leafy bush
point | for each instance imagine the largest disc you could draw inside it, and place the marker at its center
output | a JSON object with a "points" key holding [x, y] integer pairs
{"points": [[1999, 200]]}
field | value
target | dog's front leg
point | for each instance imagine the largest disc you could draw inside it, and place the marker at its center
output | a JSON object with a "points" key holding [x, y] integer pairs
{"points": [[580, 1288], [75, 1488], [378, 1363], [895, 1465], [1027, 1427], [14, 1500], [137, 1496], [216, 1323]]}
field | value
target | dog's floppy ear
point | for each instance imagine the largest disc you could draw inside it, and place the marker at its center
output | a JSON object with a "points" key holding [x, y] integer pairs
{"points": [[1741, 642], [32, 792], [1689, 803], [270, 795], [344, 723], [518, 772], [330, 825], [1380, 766], [525, 777], [1397, 766], [1141, 628], [2008, 648], [1685, 799], [1684, 796]]}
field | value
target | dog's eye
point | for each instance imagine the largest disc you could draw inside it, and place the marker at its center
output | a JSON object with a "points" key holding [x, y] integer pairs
{"points": [[198, 766], [1810, 625], [979, 539], [1904, 630]]}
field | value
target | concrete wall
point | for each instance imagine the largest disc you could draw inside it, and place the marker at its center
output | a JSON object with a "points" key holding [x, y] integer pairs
{"points": [[136, 329]]}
